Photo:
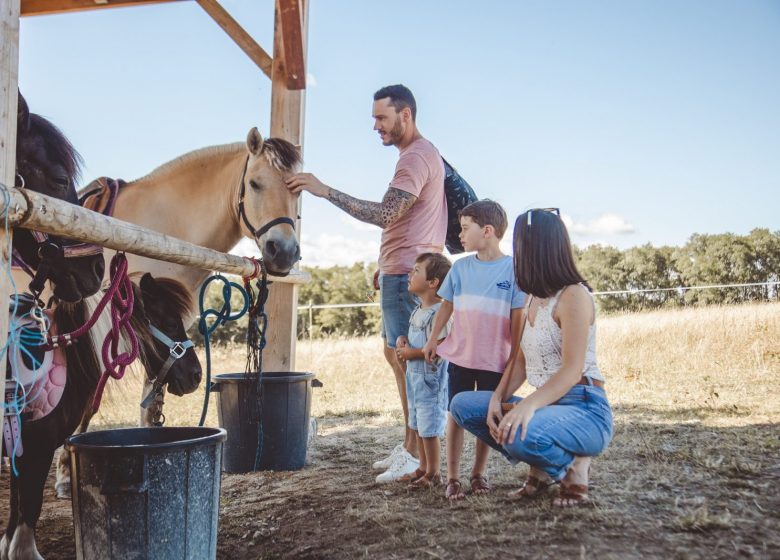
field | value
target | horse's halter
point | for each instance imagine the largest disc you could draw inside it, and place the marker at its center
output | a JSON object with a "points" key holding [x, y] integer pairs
{"points": [[257, 233], [50, 249], [177, 349]]}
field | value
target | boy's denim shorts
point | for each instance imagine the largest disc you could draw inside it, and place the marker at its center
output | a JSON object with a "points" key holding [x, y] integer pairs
{"points": [[397, 305], [426, 395]]}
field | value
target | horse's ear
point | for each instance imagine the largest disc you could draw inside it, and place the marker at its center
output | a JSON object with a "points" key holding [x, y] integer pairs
{"points": [[254, 142], [23, 114], [148, 284]]}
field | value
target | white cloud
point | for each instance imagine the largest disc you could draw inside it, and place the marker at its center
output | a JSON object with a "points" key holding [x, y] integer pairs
{"points": [[325, 249], [348, 220], [311, 80], [606, 224]]}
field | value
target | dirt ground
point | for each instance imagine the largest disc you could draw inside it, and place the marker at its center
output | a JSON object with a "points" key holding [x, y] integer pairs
{"points": [[692, 471], [682, 490]]}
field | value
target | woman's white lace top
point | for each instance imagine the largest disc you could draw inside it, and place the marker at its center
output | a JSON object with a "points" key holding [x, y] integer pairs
{"points": [[541, 344]]}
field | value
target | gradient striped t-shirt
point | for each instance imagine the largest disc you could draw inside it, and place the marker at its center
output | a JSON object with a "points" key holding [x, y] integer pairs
{"points": [[483, 294]]}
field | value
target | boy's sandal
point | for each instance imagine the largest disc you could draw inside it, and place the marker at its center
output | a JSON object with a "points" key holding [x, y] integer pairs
{"points": [[425, 483], [533, 487], [480, 485], [454, 490], [571, 495], [412, 476]]}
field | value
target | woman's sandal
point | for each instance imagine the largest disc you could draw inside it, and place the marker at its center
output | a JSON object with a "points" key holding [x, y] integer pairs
{"points": [[533, 487], [571, 495], [479, 485], [454, 490], [425, 483], [412, 476]]}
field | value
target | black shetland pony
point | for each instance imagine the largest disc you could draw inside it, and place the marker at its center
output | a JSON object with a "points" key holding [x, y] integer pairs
{"points": [[161, 304], [47, 163]]}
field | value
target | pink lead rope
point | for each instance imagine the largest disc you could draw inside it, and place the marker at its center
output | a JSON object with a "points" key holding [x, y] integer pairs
{"points": [[122, 298]]}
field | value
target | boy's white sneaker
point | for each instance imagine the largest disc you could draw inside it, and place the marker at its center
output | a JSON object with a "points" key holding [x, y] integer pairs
{"points": [[403, 464], [384, 464]]}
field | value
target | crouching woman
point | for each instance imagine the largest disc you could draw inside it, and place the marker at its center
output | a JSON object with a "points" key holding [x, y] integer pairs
{"points": [[567, 420]]}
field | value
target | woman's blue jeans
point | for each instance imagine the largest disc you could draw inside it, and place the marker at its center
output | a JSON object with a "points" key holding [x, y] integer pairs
{"points": [[579, 424]]}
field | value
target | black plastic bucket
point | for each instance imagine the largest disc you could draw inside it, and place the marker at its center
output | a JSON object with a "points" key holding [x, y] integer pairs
{"points": [[286, 405], [146, 493]]}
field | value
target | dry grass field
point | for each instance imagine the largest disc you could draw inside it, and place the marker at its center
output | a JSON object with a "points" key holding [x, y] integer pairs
{"points": [[692, 471]]}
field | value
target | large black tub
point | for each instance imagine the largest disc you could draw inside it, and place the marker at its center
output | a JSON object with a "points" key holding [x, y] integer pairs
{"points": [[146, 493], [286, 406]]}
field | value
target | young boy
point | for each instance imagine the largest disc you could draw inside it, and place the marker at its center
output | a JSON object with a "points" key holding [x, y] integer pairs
{"points": [[480, 292], [426, 383]]}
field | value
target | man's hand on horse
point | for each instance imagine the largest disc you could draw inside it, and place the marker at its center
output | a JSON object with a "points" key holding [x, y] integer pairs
{"points": [[307, 182]]}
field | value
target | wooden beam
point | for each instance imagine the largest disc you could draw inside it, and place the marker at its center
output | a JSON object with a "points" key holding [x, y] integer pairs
{"points": [[45, 7], [33, 210], [9, 83], [243, 39], [287, 115], [292, 41]]}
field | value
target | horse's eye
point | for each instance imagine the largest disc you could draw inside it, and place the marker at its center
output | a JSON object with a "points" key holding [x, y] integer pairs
{"points": [[62, 182], [254, 185]]}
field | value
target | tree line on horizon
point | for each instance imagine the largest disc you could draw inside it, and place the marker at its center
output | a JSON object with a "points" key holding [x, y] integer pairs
{"points": [[705, 259]]}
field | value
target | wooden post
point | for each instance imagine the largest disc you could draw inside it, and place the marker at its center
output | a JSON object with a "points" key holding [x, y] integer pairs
{"points": [[36, 211], [311, 320], [287, 111], [9, 80]]}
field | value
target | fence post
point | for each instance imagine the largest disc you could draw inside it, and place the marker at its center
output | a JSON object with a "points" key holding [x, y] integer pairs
{"points": [[311, 319]]}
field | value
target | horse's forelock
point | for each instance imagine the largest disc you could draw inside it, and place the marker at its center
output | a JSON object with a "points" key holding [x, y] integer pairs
{"points": [[56, 144], [281, 154], [176, 295]]}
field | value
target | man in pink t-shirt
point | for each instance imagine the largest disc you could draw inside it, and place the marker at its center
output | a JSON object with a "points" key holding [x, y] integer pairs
{"points": [[413, 218]]}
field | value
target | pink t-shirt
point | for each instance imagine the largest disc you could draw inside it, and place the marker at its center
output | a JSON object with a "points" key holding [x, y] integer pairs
{"points": [[422, 229]]}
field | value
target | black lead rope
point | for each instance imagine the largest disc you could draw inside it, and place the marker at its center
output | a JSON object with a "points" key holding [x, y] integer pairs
{"points": [[256, 341]]}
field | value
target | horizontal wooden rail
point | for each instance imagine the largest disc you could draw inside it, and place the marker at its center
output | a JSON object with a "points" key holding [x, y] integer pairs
{"points": [[31, 210]]}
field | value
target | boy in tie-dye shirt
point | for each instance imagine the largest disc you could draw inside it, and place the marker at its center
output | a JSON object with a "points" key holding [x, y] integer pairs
{"points": [[481, 294]]}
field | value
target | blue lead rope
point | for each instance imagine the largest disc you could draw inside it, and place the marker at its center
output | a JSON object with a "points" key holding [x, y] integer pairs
{"points": [[219, 317]]}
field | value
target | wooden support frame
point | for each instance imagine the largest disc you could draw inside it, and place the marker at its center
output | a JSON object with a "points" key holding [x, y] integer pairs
{"points": [[237, 33], [9, 82], [287, 70], [36, 211], [287, 118], [46, 7]]}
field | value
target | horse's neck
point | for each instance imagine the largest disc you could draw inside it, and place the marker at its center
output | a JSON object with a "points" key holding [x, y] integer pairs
{"points": [[195, 199]]}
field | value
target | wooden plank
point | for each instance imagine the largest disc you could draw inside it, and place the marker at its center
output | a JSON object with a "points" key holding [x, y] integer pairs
{"points": [[287, 116], [243, 39], [292, 42], [44, 7], [33, 210], [9, 83]]}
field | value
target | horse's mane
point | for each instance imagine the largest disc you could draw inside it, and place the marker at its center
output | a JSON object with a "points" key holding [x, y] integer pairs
{"points": [[55, 143], [280, 154], [176, 294]]}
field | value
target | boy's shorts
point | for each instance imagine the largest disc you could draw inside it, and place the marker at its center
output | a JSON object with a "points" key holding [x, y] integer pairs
{"points": [[426, 396], [397, 305], [463, 379]]}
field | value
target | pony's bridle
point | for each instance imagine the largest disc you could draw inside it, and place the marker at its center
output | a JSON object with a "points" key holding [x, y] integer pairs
{"points": [[257, 233], [50, 248], [176, 349]]}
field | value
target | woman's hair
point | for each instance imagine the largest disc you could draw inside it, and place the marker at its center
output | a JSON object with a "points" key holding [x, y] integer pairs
{"points": [[544, 262]]}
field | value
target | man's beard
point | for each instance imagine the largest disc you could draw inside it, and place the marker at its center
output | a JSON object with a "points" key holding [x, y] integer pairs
{"points": [[395, 134]]}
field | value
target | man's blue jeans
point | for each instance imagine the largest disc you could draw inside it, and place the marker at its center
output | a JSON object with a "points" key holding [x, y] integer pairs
{"points": [[579, 424]]}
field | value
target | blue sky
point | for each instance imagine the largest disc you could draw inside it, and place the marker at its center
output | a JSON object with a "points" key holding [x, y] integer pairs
{"points": [[644, 121]]}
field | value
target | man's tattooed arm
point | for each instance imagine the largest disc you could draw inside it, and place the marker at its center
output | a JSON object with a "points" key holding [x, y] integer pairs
{"points": [[395, 204]]}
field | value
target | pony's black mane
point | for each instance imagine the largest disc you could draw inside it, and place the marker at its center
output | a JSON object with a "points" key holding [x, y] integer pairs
{"points": [[284, 155], [54, 142], [177, 296]]}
